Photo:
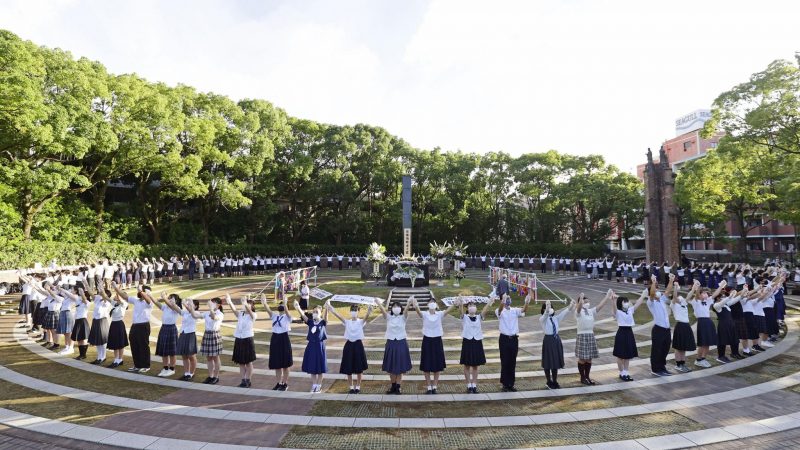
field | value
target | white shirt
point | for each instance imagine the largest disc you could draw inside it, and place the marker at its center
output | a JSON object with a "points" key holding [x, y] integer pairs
{"points": [[188, 323], [701, 310], [585, 320], [471, 329], [168, 316], [354, 330], [281, 323], [213, 323], [244, 326], [81, 309], [747, 305], [395, 327], [102, 308], [550, 327], [66, 305], [27, 289], [758, 308], [659, 310], [625, 318], [509, 321], [432, 323], [304, 292], [681, 312], [141, 310], [118, 312]]}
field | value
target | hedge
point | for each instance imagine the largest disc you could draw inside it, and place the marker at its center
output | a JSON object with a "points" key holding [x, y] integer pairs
{"points": [[24, 254]]}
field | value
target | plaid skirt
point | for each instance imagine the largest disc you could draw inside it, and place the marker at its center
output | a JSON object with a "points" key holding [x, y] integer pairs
{"points": [[586, 346], [187, 344], [167, 342], [66, 320], [761, 324], [211, 345], [50, 321]]}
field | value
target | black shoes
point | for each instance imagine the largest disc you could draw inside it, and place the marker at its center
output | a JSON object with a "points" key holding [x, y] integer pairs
{"points": [[509, 389], [276, 387], [625, 378]]}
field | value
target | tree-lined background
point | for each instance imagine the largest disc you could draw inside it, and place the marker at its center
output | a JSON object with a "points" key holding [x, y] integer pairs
{"points": [[89, 156]]}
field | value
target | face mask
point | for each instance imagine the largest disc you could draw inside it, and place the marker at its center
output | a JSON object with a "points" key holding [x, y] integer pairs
{"points": [[507, 303], [626, 305], [587, 305], [658, 295], [682, 301], [549, 312], [212, 306], [353, 314], [472, 310], [315, 316], [396, 310], [431, 306]]}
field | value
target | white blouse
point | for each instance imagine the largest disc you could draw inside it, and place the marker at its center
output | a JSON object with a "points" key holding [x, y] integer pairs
{"points": [[681, 312], [213, 323], [244, 326], [354, 330], [701, 310], [432, 324], [395, 327], [281, 323], [55, 303], [472, 328], [118, 312], [141, 310], [102, 308], [625, 318], [188, 323], [66, 305], [509, 321], [168, 316], [81, 310]]}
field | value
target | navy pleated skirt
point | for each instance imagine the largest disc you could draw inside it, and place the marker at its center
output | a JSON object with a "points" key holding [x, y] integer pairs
{"points": [[432, 355], [552, 353], [472, 353], [625, 344], [354, 358], [396, 357], [706, 333], [280, 351], [683, 337]]}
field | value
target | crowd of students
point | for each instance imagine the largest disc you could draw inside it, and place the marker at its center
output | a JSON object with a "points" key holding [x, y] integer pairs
{"points": [[747, 301]]}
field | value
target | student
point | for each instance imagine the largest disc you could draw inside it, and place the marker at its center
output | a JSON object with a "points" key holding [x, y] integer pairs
{"points": [[658, 304], [167, 342], [585, 342], [552, 349], [706, 333], [117, 335], [98, 333], [280, 346], [211, 345], [315, 362], [304, 295], [396, 356], [472, 353], [139, 334], [726, 329], [25, 308], [80, 329], [244, 350], [187, 340], [508, 321], [683, 337], [624, 341], [66, 319], [50, 323], [432, 359], [354, 357]]}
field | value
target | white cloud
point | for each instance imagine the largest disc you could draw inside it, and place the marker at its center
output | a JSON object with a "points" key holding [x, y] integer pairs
{"points": [[583, 77]]}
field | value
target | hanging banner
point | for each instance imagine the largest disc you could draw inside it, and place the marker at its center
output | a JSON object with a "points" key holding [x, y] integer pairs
{"points": [[358, 299], [319, 293], [449, 301]]}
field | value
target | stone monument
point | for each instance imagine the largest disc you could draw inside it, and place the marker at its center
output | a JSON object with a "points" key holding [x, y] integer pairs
{"points": [[661, 232], [406, 200]]}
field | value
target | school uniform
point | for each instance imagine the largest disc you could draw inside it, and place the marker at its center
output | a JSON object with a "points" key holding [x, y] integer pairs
{"points": [[66, 317], [98, 333], [280, 347], [660, 333], [315, 357], [706, 333], [585, 342], [25, 300], [624, 340], [187, 340], [432, 352], [750, 319], [354, 357], [509, 344], [211, 345], [726, 329], [396, 356], [552, 349], [53, 308], [139, 334], [167, 342], [117, 336], [760, 318], [472, 353], [80, 328], [770, 318], [244, 349], [682, 336]]}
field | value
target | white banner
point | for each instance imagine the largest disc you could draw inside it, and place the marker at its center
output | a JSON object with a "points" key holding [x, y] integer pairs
{"points": [[448, 301], [358, 299], [319, 293]]}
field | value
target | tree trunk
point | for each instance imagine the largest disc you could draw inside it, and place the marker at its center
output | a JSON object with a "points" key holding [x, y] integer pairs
{"points": [[99, 203], [204, 219]]}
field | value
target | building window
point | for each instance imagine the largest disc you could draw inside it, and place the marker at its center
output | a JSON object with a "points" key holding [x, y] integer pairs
{"points": [[688, 245], [755, 222], [755, 245], [714, 144], [687, 145]]}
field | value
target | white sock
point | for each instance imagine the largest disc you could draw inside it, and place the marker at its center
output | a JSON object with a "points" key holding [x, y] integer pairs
{"points": [[352, 387], [430, 387]]}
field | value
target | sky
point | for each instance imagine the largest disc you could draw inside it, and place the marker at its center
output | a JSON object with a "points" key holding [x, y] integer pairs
{"points": [[577, 76]]}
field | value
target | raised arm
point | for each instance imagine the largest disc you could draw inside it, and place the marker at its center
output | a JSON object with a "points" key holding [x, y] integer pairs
{"points": [[450, 308], [325, 310], [379, 305], [229, 301], [641, 299], [266, 305], [66, 293], [652, 291], [461, 309], [675, 292], [527, 303], [670, 285], [722, 285], [190, 308], [169, 302], [246, 308], [416, 306], [605, 299], [487, 308]]}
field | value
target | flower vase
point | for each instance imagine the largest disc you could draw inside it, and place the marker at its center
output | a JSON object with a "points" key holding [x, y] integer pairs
{"points": [[456, 283]]}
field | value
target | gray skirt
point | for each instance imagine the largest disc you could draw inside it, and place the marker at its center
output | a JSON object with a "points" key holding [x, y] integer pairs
{"points": [[586, 346], [66, 320]]}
